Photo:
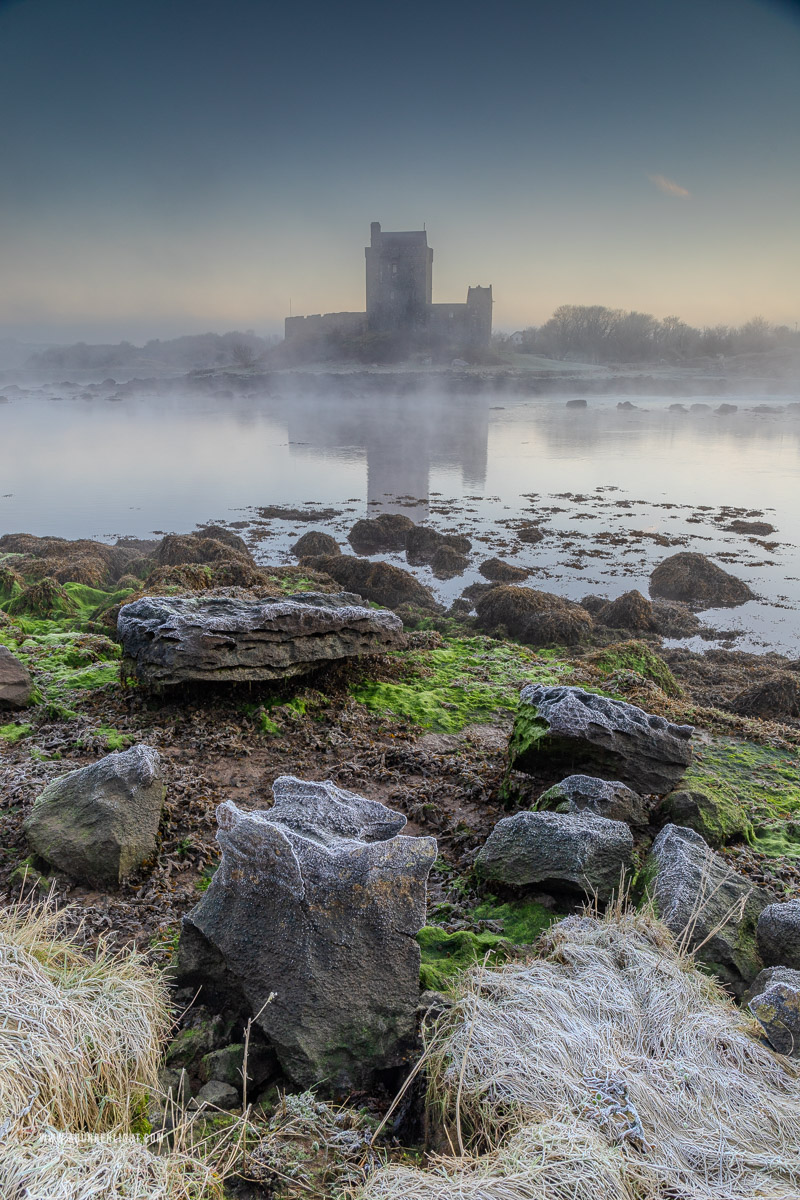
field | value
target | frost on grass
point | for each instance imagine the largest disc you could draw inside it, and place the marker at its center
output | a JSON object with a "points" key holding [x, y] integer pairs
{"points": [[606, 1068]]}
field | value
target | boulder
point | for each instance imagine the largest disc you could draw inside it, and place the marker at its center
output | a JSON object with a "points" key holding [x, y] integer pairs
{"points": [[697, 580], [673, 620], [755, 528], [778, 934], [774, 1000], [447, 563], [604, 797], [422, 542], [538, 618], [16, 685], [99, 824], [707, 905], [217, 1095], [776, 697], [499, 571], [317, 900], [608, 738], [177, 548], [380, 582], [315, 542], [718, 820], [574, 850], [629, 611], [379, 535], [170, 640]]}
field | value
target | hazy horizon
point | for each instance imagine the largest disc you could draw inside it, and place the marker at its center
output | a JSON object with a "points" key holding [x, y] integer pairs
{"points": [[172, 170]]}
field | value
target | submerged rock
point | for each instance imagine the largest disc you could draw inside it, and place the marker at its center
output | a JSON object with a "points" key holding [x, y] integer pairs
{"points": [[380, 582], [499, 571], [578, 850], [707, 904], [99, 824], [16, 685], [697, 580], [774, 1000], [317, 900], [604, 797], [378, 535], [538, 618], [778, 934], [169, 640], [609, 738]]}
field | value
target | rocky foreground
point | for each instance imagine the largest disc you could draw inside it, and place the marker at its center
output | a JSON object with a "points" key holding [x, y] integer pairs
{"points": [[315, 797]]}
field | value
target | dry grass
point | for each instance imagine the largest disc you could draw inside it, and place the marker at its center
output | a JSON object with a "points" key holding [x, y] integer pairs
{"points": [[612, 1060]]}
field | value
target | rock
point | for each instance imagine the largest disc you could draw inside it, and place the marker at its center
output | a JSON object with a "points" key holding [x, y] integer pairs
{"points": [[695, 579], [227, 1065], [380, 582], [317, 899], [529, 533], [778, 934], [707, 904], [627, 406], [16, 685], [629, 611], [774, 1000], [168, 640], [315, 542], [502, 572], [447, 562], [217, 1095], [538, 618], [220, 534], [674, 620], [177, 548], [422, 542], [99, 824], [580, 850], [609, 738], [716, 820], [756, 528], [726, 409], [777, 697], [379, 535], [594, 604], [604, 797], [577, 403]]}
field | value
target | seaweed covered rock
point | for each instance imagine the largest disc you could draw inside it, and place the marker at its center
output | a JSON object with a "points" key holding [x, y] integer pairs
{"points": [[630, 611], [537, 618], [177, 548], [718, 820], [315, 542], [674, 620], [446, 563], [697, 580], [380, 582], [609, 738], [499, 571], [778, 934], [99, 824], [46, 599], [776, 697], [604, 797], [702, 900], [774, 1000], [574, 850], [317, 900], [422, 542], [16, 685], [169, 640], [95, 564], [378, 535], [529, 533]]}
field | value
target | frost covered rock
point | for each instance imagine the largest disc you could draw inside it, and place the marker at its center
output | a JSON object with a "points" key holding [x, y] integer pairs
{"points": [[778, 934], [98, 824], [180, 639], [317, 899], [774, 1000], [579, 850], [706, 903], [604, 797], [607, 737]]}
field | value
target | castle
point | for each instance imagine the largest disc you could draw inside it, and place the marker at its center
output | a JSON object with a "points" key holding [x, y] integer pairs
{"points": [[400, 300]]}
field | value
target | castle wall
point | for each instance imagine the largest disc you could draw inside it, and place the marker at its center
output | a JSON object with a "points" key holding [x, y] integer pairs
{"points": [[320, 325]]}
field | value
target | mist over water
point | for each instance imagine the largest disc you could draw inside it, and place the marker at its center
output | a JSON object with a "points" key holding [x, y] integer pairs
{"points": [[608, 485]]}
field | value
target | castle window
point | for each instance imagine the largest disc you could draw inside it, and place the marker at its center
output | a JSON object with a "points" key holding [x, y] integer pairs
{"points": [[394, 268]]}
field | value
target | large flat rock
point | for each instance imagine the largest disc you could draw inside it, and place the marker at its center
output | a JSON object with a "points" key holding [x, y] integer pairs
{"points": [[181, 639], [566, 726]]}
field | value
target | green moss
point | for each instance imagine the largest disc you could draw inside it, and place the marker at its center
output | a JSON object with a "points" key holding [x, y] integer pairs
{"points": [[64, 663], [523, 920], [638, 657], [463, 681], [14, 733], [115, 740], [761, 781], [445, 954], [267, 725]]}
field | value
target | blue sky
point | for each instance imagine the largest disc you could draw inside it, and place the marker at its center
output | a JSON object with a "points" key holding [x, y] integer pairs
{"points": [[180, 166]]}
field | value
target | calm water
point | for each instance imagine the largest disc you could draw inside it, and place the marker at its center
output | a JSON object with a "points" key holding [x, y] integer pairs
{"points": [[601, 481]]}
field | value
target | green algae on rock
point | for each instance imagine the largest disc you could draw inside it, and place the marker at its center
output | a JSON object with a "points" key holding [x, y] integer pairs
{"points": [[635, 656], [445, 954]]}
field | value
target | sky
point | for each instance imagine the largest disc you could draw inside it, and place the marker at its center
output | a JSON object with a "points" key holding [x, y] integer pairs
{"points": [[182, 166]]}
